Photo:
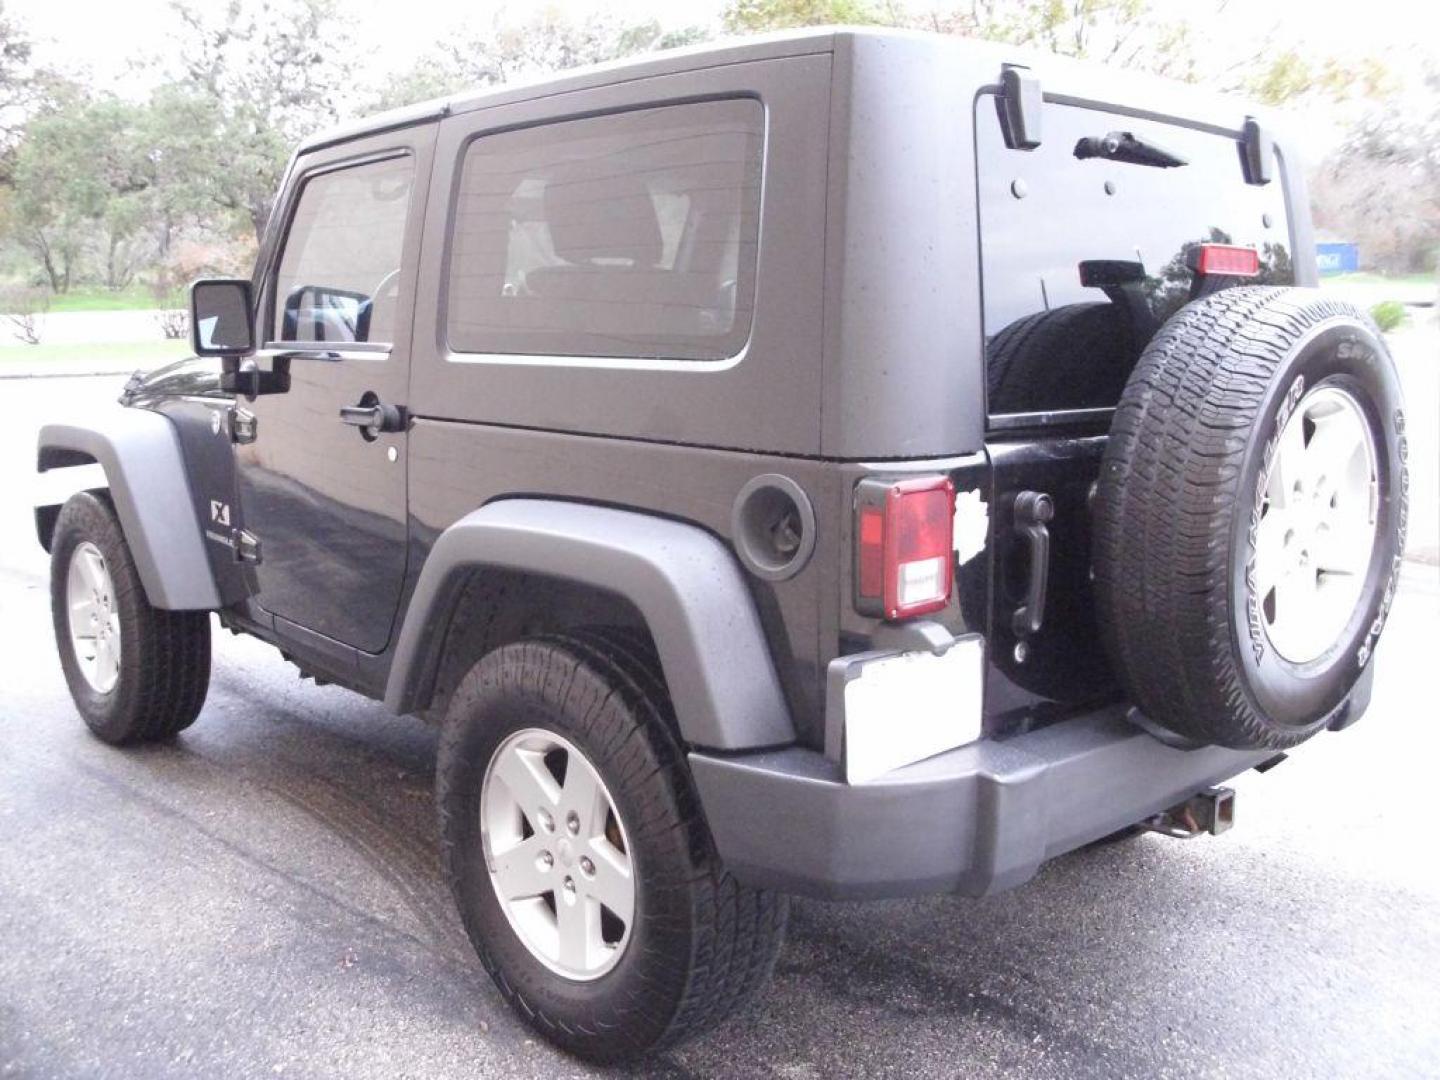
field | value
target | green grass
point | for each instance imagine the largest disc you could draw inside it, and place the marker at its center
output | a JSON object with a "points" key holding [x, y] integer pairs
{"points": [[1388, 315], [116, 355], [1366, 277], [97, 298]]}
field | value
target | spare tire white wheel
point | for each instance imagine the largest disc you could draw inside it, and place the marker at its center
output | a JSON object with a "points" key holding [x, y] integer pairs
{"points": [[1250, 516]]}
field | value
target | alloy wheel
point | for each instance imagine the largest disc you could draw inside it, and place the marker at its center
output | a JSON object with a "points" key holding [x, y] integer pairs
{"points": [[557, 853], [1317, 527], [94, 618]]}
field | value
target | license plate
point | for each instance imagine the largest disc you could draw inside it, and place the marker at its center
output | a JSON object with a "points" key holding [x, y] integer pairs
{"points": [[904, 708]]}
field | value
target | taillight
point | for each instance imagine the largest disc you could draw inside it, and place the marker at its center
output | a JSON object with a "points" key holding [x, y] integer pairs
{"points": [[1224, 260], [904, 546]]}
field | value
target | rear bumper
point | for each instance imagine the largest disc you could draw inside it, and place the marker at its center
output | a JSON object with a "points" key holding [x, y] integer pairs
{"points": [[974, 820]]}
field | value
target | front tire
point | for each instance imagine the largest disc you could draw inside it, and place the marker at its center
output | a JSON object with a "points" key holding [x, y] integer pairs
{"points": [[136, 673], [677, 943]]}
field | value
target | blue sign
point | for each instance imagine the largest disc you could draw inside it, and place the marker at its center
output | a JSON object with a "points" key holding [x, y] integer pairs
{"points": [[1337, 258]]}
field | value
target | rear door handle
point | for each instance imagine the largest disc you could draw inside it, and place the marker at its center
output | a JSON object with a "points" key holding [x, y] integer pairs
{"points": [[373, 416], [1033, 511]]}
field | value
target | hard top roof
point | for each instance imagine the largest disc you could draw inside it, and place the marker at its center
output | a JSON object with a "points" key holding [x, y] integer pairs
{"points": [[1144, 94]]}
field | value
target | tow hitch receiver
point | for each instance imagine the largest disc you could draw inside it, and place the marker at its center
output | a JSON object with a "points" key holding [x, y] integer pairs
{"points": [[1210, 811]]}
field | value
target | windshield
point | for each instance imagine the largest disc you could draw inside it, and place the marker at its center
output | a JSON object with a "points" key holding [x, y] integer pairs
{"points": [[1084, 243]]}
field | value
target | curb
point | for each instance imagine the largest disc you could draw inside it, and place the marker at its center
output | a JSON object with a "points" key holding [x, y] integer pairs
{"points": [[117, 372]]}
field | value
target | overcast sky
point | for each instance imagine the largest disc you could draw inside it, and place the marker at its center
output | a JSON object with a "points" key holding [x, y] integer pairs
{"points": [[82, 34], [100, 39], [78, 35]]}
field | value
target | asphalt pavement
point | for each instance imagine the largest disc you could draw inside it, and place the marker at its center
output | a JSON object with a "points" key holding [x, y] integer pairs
{"points": [[262, 899]]}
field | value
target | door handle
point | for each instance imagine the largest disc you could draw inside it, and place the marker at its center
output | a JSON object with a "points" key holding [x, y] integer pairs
{"points": [[373, 416], [309, 354], [1033, 511]]}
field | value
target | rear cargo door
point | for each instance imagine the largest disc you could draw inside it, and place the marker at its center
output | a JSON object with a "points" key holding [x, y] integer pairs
{"points": [[1083, 257]]}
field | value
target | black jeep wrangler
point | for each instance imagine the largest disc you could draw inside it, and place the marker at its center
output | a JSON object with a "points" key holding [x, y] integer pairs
{"points": [[844, 464]]}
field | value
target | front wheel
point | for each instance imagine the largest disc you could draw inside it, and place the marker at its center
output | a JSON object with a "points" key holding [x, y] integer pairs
{"points": [[136, 673], [574, 845]]}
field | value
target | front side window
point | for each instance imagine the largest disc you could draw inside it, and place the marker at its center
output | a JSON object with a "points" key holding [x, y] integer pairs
{"points": [[339, 275], [629, 235]]}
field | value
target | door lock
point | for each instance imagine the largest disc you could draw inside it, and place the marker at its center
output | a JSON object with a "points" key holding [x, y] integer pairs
{"points": [[246, 546]]}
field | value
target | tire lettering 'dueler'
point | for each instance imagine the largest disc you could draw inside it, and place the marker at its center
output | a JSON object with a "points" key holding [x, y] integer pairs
{"points": [[1367, 644], [1257, 511]]}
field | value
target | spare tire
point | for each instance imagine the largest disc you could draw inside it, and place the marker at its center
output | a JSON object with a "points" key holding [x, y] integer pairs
{"points": [[1250, 516]]}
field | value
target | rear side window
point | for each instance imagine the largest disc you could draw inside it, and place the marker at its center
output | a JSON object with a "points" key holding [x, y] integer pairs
{"points": [[1050, 217], [339, 274], [629, 235]]}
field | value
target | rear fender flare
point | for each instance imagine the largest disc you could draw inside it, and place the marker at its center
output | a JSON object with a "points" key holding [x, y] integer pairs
{"points": [[684, 582]]}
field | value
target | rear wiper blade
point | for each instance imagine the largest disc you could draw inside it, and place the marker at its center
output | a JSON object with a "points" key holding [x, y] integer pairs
{"points": [[1123, 146]]}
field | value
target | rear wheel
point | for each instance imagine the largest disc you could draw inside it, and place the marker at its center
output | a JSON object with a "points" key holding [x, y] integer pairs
{"points": [[557, 853], [1250, 516], [575, 847], [1068, 357], [136, 673]]}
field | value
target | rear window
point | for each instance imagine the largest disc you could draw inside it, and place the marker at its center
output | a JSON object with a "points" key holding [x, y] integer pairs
{"points": [[629, 235], [1053, 343]]}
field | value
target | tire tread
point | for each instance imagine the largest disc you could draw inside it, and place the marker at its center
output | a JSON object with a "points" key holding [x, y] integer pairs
{"points": [[1166, 502], [734, 932], [165, 655]]}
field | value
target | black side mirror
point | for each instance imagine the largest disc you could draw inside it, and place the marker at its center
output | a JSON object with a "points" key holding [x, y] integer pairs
{"points": [[220, 317]]}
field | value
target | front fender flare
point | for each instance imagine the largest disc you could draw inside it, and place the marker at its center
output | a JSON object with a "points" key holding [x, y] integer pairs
{"points": [[145, 469], [684, 582]]}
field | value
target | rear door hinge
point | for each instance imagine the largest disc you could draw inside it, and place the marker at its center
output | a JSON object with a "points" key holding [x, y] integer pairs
{"points": [[1259, 152], [244, 425], [1021, 101]]}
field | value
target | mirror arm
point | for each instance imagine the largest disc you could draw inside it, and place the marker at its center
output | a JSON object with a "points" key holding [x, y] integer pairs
{"points": [[252, 382]]}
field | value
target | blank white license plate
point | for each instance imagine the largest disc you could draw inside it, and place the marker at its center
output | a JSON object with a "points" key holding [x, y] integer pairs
{"points": [[902, 709]]}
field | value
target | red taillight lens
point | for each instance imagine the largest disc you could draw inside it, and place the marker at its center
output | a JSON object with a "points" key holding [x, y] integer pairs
{"points": [[872, 551], [1225, 260], [905, 561]]}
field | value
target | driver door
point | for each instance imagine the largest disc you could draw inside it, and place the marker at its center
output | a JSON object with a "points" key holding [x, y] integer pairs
{"points": [[322, 485]]}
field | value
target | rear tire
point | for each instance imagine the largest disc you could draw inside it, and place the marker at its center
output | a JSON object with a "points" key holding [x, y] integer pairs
{"points": [[1250, 516], [1071, 357], [136, 673], [698, 944]]}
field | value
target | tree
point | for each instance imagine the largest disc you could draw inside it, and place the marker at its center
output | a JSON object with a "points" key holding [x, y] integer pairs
{"points": [[504, 50], [269, 73], [1381, 188], [178, 131], [81, 175], [17, 81], [24, 87], [117, 180], [1203, 42], [751, 16]]}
